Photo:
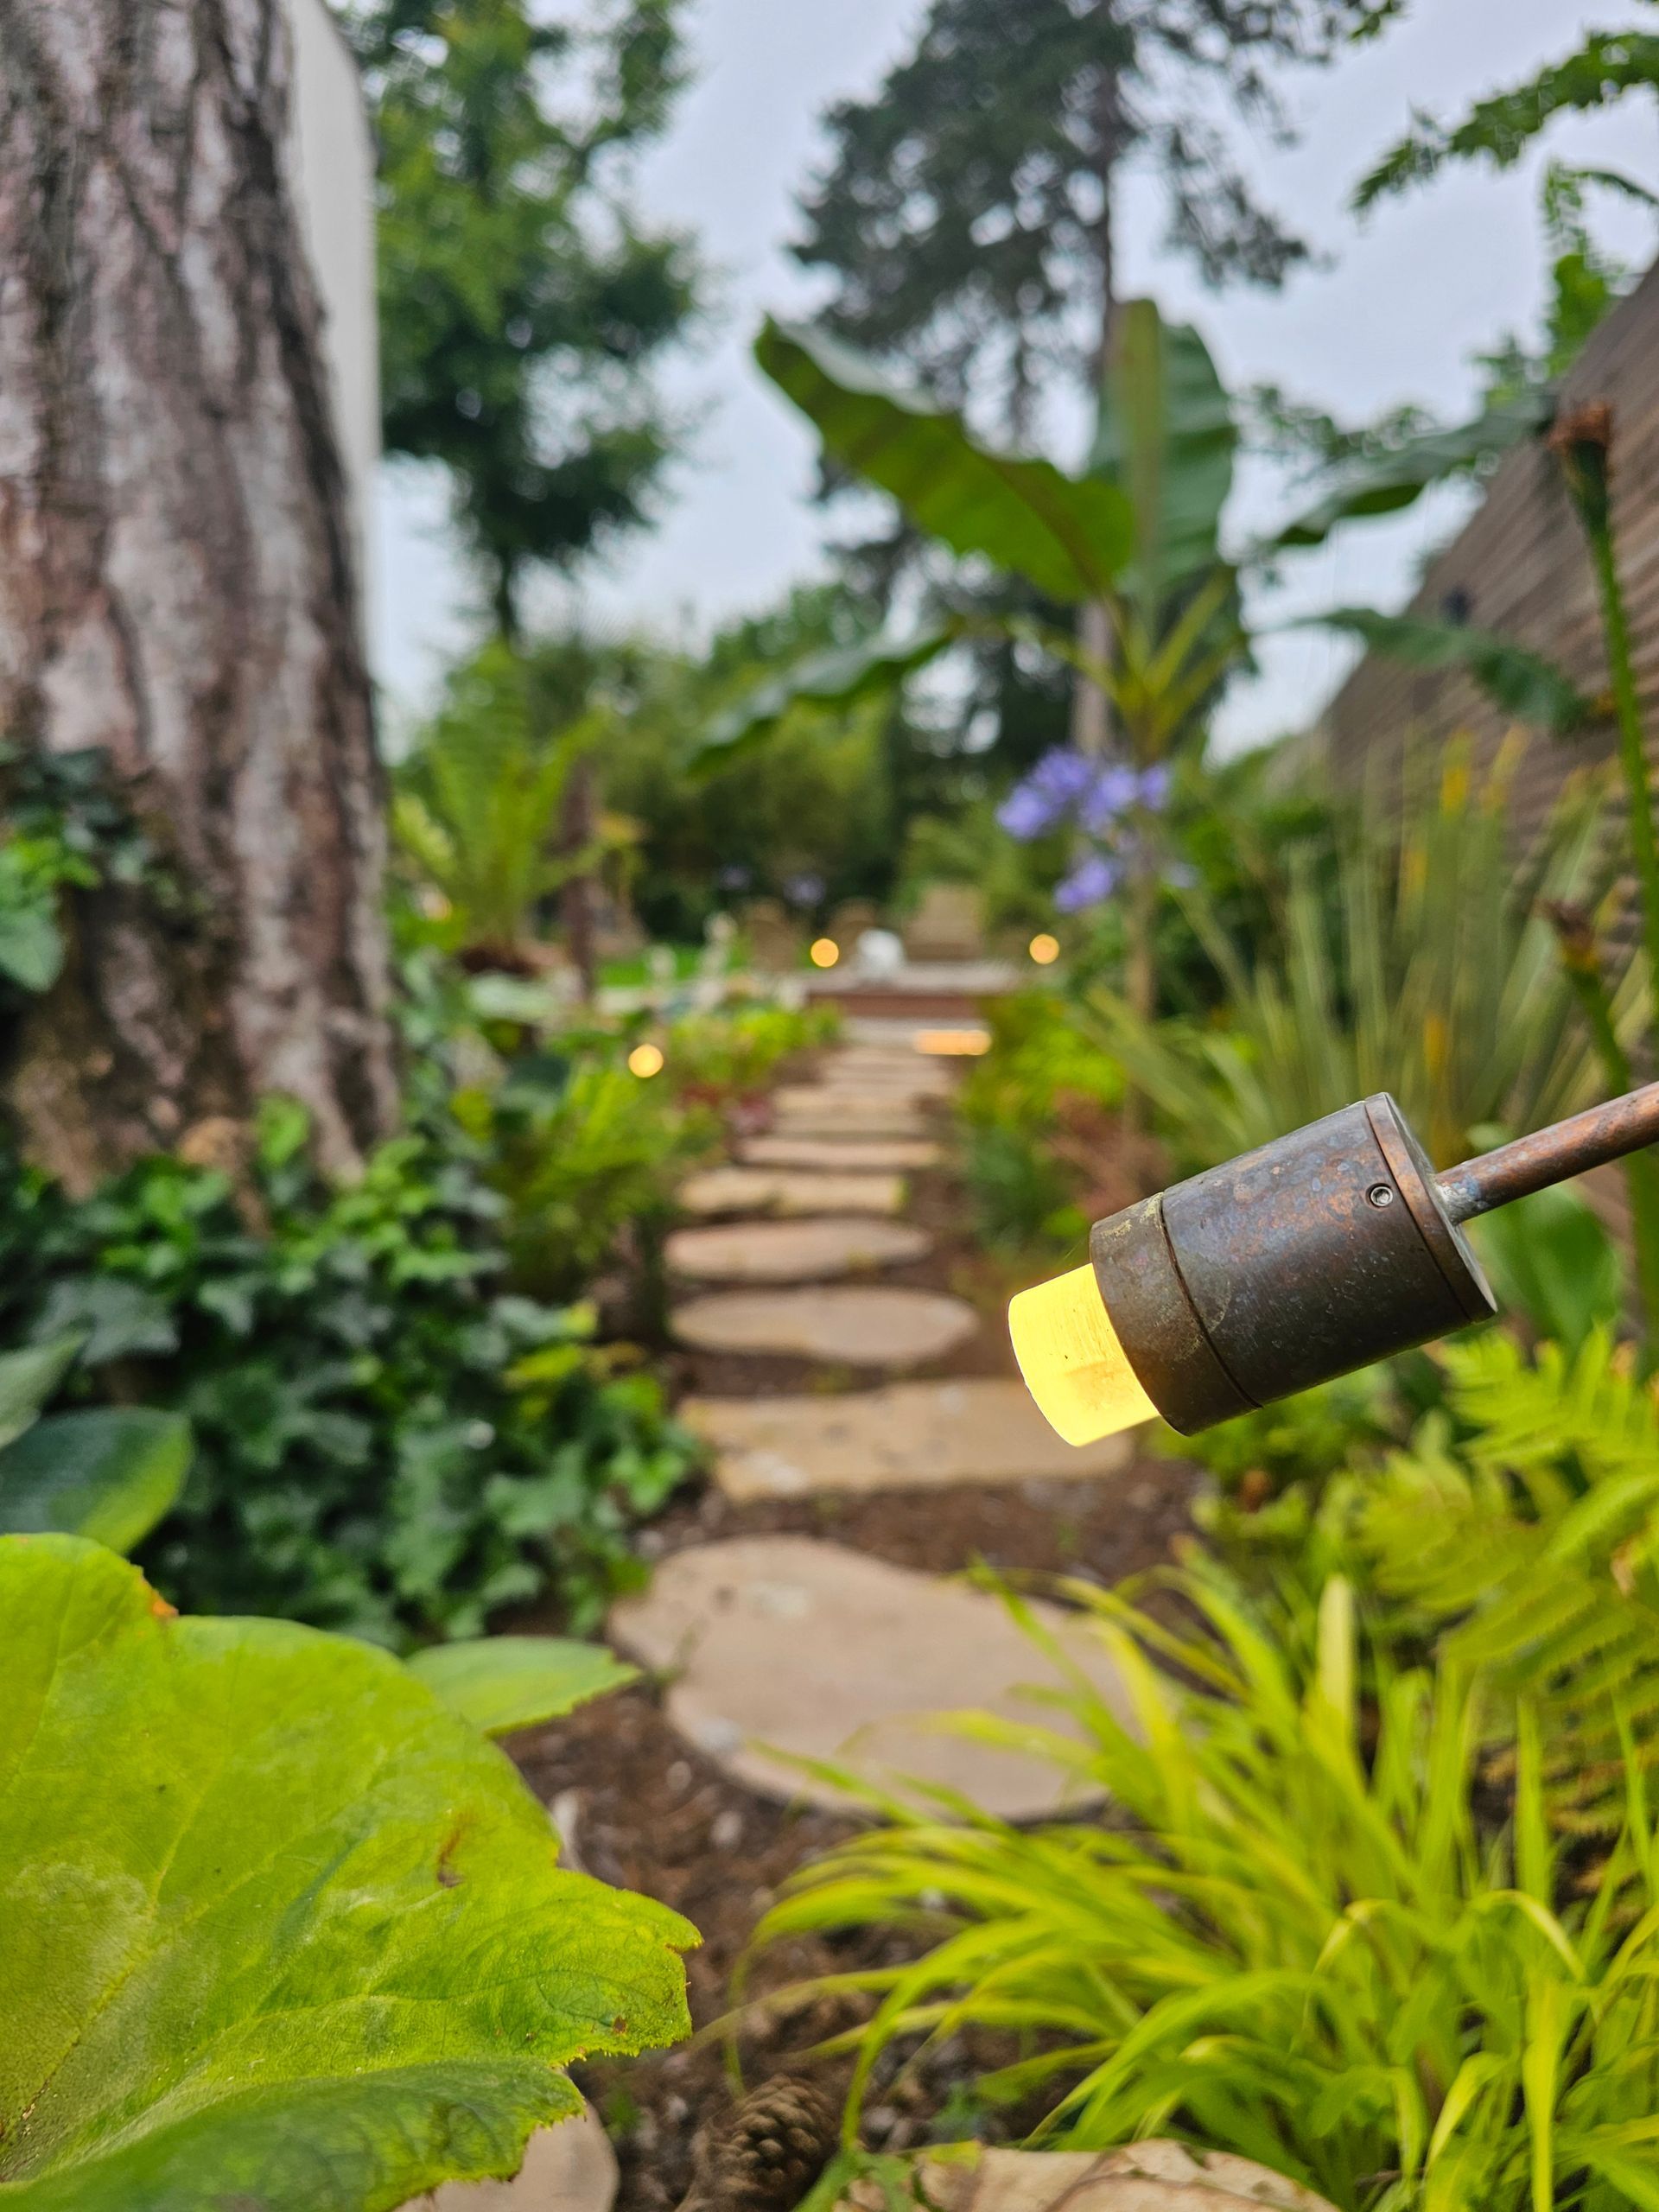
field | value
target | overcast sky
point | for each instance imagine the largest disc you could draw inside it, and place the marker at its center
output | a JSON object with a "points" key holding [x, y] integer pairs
{"points": [[1395, 315]]}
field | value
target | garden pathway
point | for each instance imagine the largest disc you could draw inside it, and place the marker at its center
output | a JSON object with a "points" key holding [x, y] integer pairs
{"points": [[784, 1654]]}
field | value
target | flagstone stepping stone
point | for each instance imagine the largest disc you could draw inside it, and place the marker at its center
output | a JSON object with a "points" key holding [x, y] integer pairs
{"points": [[570, 2168], [877, 1325], [782, 1647], [792, 1251], [908, 1436], [826, 1114], [758, 1190], [1152, 2177], [878, 1155]]}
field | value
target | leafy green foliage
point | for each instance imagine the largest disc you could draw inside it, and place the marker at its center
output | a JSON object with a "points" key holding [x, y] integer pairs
{"points": [[1068, 536], [501, 1684], [277, 1928], [109, 1475], [1302, 1940], [1551, 1259], [1296, 1444], [478, 805], [521, 304], [1521, 1529], [1035, 1110], [1501, 128], [1439, 982], [1525, 684], [389, 1438], [729, 1054], [61, 829]]}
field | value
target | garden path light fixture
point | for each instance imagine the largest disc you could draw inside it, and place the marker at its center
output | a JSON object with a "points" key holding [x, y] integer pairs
{"points": [[1329, 1248]]}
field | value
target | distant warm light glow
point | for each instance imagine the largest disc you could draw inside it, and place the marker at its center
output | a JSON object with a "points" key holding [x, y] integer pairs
{"points": [[825, 953], [1045, 950], [953, 1044], [1074, 1364], [646, 1060]]}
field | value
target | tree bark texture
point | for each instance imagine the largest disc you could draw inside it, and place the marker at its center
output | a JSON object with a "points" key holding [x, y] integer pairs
{"points": [[177, 586]]}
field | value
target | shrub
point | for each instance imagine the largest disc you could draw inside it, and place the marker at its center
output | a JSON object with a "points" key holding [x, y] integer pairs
{"points": [[111, 1474], [1309, 1937], [277, 1927], [728, 1053], [1441, 983], [389, 1437], [1037, 1110]]}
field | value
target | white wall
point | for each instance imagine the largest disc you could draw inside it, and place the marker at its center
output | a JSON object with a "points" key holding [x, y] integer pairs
{"points": [[332, 167]]}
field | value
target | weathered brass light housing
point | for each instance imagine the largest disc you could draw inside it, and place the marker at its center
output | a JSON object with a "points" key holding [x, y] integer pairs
{"points": [[1331, 1249]]}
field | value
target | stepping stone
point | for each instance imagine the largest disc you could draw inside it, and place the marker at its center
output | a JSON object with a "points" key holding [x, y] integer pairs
{"points": [[878, 1155], [826, 1114], [792, 1251], [848, 1098], [570, 2168], [782, 1647], [909, 1436], [1152, 2177], [755, 1190], [877, 1326]]}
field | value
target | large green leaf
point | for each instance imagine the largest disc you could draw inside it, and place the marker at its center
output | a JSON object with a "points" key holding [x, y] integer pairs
{"points": [[278, 1932], [1524, 684], [31, 946], [841, 678], [1166, 437], [110, 1473], [1069, 537], [503, 1682], [28, 1378], [1393, 480]]}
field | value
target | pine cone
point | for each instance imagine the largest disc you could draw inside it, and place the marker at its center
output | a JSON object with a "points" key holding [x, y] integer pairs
{"points": [[768, 2153]]}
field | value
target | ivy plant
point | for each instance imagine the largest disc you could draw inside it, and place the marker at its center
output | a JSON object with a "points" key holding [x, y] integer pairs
{"points": [[279, 1929]]}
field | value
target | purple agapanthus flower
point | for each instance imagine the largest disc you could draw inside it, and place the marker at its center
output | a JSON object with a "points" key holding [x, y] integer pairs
{"points": [[1112, 793], [1153, 791], [1089, 884], [1059, 784]]}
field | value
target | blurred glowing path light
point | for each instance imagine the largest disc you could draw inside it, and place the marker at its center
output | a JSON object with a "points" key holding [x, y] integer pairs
{"points": [[825, 953], [1074, 1364], [1045, 950], [646, 1060], [953, 1044]]}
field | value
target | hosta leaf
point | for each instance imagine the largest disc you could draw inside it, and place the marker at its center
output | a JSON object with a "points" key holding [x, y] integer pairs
{"points": [[28, 1380], [109, 1474], [1068, 536], [277, 1931], [503, 1682], [840, 677]]}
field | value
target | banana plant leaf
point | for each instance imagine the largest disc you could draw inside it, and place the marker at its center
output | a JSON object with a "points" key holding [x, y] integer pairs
{"points": [[1166, 437], [1524, 684], [1396, 479], [1071, 537], [501, 1684], [278, 1931], [110, 1473], [843, 677]]}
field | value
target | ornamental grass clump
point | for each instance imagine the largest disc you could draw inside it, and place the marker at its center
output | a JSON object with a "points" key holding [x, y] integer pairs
{"points": [[1312, 1931]]}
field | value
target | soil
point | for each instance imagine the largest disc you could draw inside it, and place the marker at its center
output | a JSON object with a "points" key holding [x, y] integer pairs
{"points": [[638, 1807]]}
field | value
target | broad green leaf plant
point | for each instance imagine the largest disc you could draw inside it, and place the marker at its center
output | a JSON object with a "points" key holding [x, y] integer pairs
{"points": [[111, 1472], [278, 1930], [1301, 1941]]}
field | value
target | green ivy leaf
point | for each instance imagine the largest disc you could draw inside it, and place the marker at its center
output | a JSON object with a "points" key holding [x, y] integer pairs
{"points": [[109, 1474], [278, 1930], [31, 946], [28, 1379], [503, 1682]]}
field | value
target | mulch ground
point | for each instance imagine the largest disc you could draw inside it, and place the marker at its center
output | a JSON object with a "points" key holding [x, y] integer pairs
{"points": [[641, 1808]]}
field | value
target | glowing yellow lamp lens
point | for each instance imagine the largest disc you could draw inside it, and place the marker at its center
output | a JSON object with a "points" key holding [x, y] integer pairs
{"points": [[1045, 950], [646, 1060], [953, 1044], [1074, 1364], [825, 953]]}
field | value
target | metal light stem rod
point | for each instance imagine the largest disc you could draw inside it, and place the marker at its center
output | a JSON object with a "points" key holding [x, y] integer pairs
{"points": [[1585, 1141]]}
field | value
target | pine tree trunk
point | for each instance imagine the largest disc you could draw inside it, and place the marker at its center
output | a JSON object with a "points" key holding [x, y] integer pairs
{"points": [[177, 586]]}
